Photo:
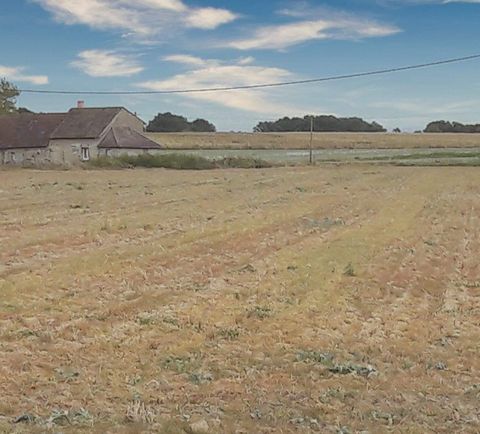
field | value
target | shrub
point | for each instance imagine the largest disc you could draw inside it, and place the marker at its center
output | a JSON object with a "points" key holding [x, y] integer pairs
{"points": [[349, 270], [244, 163], [107, 163], [168, 161], [176, 161]]}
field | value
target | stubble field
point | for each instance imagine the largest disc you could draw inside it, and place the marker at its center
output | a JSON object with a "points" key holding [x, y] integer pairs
{"points": [[276, 141], [335, 299]]}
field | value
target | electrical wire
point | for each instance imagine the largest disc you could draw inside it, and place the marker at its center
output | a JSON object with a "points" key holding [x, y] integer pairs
{"points": [[259, 86]]}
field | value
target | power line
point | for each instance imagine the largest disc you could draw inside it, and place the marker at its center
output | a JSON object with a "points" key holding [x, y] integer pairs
{"points": [[258, 86]]}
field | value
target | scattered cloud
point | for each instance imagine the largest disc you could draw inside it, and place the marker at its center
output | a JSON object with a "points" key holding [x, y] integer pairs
{"points": [[246, 60], [294, 33], [172, 5], [186, 59], [17, 74], [209, 18], [144, 19], [207, 73], [104, 63]]}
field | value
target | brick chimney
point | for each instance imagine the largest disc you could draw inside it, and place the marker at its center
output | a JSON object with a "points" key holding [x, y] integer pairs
{"points": [[80, 104]]}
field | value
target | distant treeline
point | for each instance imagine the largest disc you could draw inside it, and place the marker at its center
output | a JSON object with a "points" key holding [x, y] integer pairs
{"points": [[451, 127], [320, 124], [170, 123]]}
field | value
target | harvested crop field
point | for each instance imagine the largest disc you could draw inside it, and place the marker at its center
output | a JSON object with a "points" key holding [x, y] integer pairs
{"points": [[276, 141], [332, 299]]}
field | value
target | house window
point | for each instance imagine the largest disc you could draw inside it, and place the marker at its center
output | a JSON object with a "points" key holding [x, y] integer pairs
{"points": [[13, 157], [85, 154]]}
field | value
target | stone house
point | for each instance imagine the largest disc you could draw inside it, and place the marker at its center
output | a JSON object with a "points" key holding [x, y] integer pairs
{"points": [[73, 137]]}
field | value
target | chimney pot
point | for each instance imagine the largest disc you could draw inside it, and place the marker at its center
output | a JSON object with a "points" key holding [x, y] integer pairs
{"points": [[80, 104]]}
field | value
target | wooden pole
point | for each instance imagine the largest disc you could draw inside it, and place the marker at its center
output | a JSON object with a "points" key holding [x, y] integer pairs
{"points": [[311, 139]]}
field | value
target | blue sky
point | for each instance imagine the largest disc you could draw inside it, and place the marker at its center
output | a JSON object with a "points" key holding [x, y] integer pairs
{"points": [[171, 44]]}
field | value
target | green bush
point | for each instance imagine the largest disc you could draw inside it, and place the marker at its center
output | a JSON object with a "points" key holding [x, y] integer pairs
{"points": [[107, 163], [176, 161], [244, 163], [168, 161]]}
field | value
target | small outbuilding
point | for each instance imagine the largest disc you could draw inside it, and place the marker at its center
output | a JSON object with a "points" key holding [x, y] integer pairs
{"points": [[73, 137], [24, 138]]}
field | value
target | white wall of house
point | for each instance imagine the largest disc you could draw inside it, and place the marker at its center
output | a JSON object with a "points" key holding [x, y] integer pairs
{"points": [[69, 151], [26, 156], [65, 153], [126, 119], [130, 152]]}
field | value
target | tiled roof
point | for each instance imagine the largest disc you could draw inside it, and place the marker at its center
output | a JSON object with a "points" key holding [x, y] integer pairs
{"points": [[126, 138], [85, 123], [28, 130]]}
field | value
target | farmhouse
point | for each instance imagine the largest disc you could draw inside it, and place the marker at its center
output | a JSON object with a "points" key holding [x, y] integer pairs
{"points": [[73, 137]]}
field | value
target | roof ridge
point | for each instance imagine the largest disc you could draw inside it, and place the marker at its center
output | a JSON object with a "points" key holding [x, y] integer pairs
{"points": [[35, 114], [99, 108]]}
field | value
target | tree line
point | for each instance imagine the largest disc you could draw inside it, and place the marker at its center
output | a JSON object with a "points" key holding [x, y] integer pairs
{"points": [[170, 123], [451, 127], [322, 123]]}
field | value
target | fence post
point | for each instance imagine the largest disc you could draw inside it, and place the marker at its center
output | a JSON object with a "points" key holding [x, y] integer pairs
{"points": [[311, 139]]}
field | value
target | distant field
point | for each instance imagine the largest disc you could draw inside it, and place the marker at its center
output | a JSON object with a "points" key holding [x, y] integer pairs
{"points": [[321, 140], [288, 300]]}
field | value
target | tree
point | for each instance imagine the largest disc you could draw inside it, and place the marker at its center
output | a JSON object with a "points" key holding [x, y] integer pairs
{"points": [[167, 123], [171, 123], [202, 126], [8, 97]]}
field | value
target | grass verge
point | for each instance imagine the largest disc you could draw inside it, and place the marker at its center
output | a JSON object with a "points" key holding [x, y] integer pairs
{"points": [[427, 156]]}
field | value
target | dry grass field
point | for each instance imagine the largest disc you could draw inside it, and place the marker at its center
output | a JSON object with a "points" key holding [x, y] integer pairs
{"points": [[321, 140], [333, 299]]}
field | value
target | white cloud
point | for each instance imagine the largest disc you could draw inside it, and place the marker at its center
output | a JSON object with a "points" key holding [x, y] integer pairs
{"points": [[186, 60], [99, 14], [209, 18], [145, 19], [16, 73], [286, 35], [172, 5], [104, 63], [214, 73], [246, 60]]}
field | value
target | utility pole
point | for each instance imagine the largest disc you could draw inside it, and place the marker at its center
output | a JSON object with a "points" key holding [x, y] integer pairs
{"points": [[311, 139]]}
